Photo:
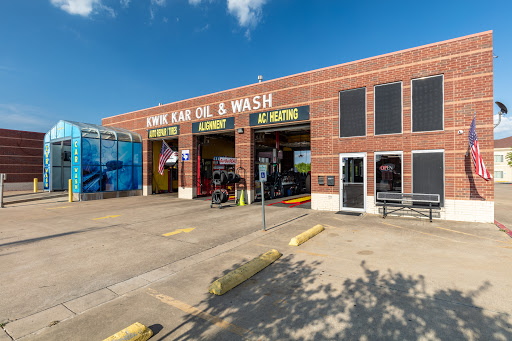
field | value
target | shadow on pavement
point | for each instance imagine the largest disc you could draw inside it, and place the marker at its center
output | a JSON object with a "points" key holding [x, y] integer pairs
{"points": [[295, 300], [53, 236]]}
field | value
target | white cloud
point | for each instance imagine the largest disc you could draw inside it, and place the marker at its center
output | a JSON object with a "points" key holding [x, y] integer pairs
{"points": [[204, 28], [125, 3], [23, 117], [248, 12], [505, 127], [194, 2], [82, 7], [153, 7]]}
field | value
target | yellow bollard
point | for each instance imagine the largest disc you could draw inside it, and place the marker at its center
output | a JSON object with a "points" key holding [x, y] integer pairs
{"points": [[35, 185], [70, 189]]}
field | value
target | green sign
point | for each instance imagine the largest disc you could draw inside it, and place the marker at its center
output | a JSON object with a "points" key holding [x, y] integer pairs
{"points": [[163, 132], [280, 116], [212, 125]]}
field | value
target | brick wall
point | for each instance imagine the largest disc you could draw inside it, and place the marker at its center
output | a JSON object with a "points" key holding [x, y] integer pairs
{"points": [[467, 66], [21, 155]]}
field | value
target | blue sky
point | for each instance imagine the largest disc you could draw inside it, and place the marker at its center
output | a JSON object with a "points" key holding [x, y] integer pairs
{"points": [[87, 59]]}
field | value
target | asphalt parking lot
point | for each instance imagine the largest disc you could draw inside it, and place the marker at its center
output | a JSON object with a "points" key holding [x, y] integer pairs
{"points": [[83, 271]]}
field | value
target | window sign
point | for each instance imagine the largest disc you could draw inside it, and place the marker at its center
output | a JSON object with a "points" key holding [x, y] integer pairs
{"points": [[388, 173]]}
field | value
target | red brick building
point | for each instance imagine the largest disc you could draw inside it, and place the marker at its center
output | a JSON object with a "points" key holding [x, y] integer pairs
{"points": [[395, 122], [21, 158]]}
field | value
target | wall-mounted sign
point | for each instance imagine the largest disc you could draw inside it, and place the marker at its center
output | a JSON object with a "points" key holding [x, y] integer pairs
{"points": [[185, 155], [213, 125], [163, 132], [280, 116], [75, 165], [258, 102], [46, 166], [75, 178], [225, 160]]}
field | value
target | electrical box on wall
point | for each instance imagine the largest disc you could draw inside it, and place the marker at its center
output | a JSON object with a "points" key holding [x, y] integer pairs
{"points": [[330, 180], [321, 180]]}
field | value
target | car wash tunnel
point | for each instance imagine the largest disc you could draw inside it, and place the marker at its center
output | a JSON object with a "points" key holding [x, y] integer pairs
{"points": [[102, 162]]}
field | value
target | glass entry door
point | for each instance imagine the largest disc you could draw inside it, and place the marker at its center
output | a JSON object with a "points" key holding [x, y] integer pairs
{"points": [[353, 182]]}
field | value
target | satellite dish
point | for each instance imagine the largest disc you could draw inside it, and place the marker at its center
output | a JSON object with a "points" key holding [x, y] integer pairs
{"points": [[503, 108]]}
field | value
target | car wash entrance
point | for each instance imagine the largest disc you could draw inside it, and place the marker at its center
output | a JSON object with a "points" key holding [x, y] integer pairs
{"points": [[285, 151], [215, 155]]}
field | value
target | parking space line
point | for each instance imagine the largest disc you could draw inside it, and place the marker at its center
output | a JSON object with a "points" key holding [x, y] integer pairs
{"points": [[109, 216], [54, 208], [473, 235], [311, 253], [199, 313], [425, 233], [178, 231]]}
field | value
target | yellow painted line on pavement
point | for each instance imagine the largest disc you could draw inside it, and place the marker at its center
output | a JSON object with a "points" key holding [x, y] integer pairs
{"points": [[293, 201], [54, 208], [505, 247], [109, 216], [199, 313], [312, 253], [178, 231], [473, 235], [425, 233]]}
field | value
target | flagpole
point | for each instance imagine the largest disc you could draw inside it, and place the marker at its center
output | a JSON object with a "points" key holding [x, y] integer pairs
{"points": [[163, 141], [469, 146]]}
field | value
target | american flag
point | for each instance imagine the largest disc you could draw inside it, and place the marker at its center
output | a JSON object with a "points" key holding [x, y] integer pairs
{"points": [[475, 153], [165, 154]]}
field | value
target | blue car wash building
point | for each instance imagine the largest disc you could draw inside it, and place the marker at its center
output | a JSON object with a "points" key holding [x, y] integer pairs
{"points": [[102, 162]]}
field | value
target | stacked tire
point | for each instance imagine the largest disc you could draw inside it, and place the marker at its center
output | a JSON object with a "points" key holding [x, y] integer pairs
{"points": [[221, 177], [220, 196]]}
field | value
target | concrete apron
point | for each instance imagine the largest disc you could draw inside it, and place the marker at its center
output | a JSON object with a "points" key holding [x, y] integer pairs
{"points": [[364, 277]]}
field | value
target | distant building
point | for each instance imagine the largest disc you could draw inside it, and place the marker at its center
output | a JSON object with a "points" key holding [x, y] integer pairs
{"points": [[502, 171], [21, 158]]}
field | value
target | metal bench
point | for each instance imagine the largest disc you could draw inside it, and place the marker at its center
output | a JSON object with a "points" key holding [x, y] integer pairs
{"points": [[411, 201]]}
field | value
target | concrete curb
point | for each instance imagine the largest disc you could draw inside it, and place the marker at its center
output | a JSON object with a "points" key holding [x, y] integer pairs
{"points": [[503, 227], [243, 273], [135, 332], [305, 236]]}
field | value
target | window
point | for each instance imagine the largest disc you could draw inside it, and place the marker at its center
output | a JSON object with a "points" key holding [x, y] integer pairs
{"points": [[427, 104], [498, 158], [353, 112], [388, 172], [388, 108], [498, 174], [428, 172]]}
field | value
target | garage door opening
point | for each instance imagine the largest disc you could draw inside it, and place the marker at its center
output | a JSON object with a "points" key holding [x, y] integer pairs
{"points": [[286, 152], [215, 152], [168, 181]]}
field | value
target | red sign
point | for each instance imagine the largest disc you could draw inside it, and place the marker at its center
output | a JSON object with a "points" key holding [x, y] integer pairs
{"points": [[389, 167], [226, 160]]}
